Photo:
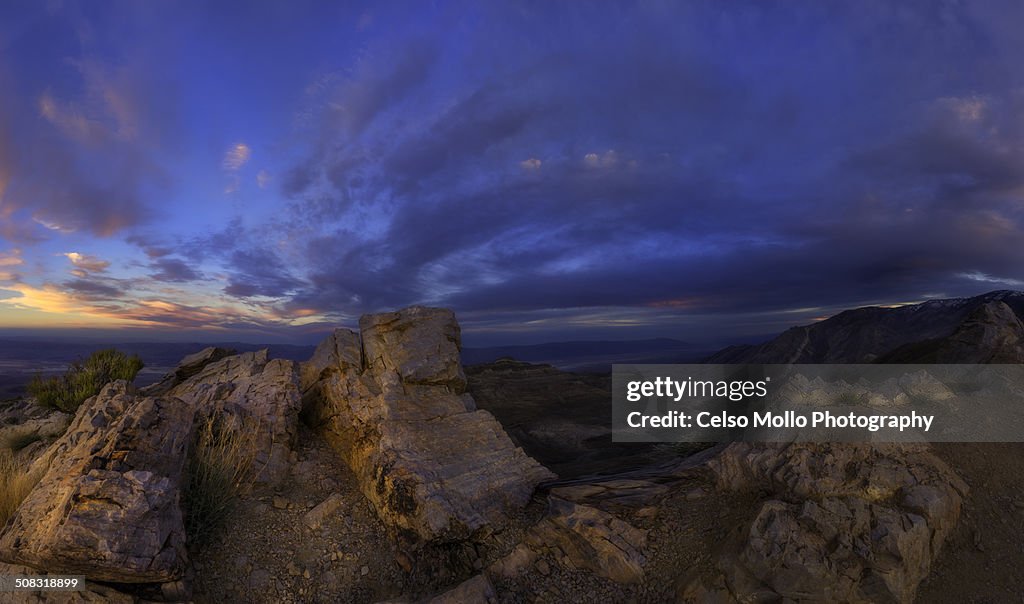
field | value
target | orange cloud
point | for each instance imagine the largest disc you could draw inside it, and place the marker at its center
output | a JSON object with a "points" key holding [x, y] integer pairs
{"points": [[52, 299], [236, 157], [13, 258]]}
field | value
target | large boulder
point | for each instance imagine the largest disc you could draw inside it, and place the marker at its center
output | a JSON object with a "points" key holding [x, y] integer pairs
{"points": [[393, 403], [842, 522], [247, 392], [107, 506]]}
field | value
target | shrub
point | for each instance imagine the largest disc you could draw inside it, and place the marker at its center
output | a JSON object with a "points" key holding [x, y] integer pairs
{"points": [[221, 468], [15, 484], [84, 379]]}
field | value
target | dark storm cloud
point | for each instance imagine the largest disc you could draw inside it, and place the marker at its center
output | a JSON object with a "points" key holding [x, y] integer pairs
{"points": [[718, 158], [551, 164]]}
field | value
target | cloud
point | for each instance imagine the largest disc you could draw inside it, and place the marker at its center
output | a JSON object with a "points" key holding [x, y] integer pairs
{"points": [[236, 157], [87, 132], [982, 277], [262, 179], [56, 300], [87, 263], [173, 270], [11, 258], [258, 272], [578, 166], [93, 290]]}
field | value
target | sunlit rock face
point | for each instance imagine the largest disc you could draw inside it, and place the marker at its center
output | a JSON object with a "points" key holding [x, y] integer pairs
{"points": [[108, 507], [393, 402], [246, 392]]}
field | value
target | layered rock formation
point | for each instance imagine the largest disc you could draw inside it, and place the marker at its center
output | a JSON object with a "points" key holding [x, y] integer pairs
{"points": [[243, 392], [108, 505], [843, 522], [393, 403]]}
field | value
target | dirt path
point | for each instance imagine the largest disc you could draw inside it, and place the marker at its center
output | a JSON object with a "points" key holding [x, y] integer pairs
{"points": [[267, 553]]}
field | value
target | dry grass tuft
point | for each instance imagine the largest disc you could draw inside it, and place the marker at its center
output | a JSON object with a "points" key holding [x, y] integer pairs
{"points": [[221, 469], [15, 484]]}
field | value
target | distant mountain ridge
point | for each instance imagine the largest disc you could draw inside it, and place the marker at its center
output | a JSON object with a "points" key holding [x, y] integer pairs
{"points": [[596, 356], [981, 329], [163, 354]]}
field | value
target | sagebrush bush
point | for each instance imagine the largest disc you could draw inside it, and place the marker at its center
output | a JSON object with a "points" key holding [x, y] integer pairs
{"points": [[221, 468], [84, 379], [15, 484]]}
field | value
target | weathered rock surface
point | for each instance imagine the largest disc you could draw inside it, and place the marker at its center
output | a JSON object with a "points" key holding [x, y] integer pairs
{"points": [[188, 367], [108, 505], [23, 419], [476, 590], [316, 516], [917, 386], [247, 392], [581, 536], [90, 593], [434, 468], [854, 523]]}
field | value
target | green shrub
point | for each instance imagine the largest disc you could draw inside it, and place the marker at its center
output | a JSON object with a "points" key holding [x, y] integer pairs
{"points": [[221, 468], [84, 379]]}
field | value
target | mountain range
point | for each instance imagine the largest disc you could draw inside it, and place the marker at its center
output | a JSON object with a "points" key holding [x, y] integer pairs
{"points": [[981, 329]]}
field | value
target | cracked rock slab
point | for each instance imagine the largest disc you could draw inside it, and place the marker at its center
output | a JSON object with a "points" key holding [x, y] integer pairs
{"points": [[108, 505], [434, 468]]}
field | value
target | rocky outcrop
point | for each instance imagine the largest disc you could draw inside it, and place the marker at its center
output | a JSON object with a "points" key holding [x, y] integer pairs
{"points": [[581, 536], [23, 422], [108, 505], [842, 522], [992, 333], [393, 403], [245, 392], [917, 386], [188, 367]]}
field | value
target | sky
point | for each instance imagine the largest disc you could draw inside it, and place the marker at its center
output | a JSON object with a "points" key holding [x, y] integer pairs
{"points": [[709, 171]]}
